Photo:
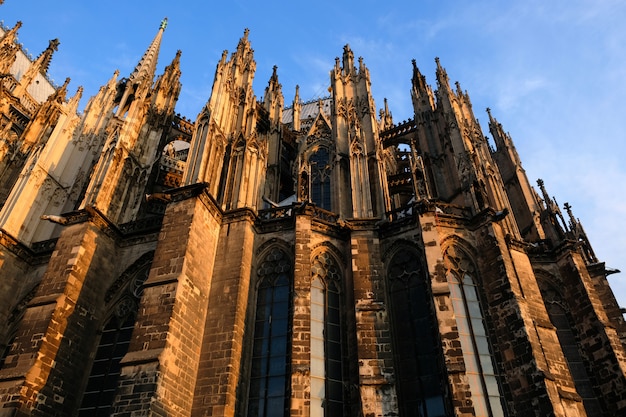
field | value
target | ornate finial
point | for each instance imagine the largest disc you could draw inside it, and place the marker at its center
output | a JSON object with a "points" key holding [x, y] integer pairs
{"points": [[163, 23], [54, 44]]}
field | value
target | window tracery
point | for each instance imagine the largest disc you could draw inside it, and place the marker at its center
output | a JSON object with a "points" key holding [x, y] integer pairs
{"points": [[421, 382], [268, 393], [479, 362], [327, 373]]}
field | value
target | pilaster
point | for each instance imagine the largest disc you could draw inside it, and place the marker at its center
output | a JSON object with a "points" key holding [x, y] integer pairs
{"points": [[44, 370], [219, 365], [378, 394], [159, 371], [301, 340]]}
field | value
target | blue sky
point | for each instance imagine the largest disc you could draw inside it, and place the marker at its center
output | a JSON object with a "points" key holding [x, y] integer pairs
{"points": [[551, 71]]}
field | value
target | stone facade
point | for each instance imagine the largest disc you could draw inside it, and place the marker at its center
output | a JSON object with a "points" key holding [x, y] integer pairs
{"points": [[314, 259]]}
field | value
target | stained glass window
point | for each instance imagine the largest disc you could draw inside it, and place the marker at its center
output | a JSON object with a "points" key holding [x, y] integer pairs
{"points": [[320, 178], [479, 367], [327, 395], [269, 380], [421, 380]]}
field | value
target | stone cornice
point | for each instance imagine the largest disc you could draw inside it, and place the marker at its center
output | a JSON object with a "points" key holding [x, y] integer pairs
{"points": [[38, 255]]}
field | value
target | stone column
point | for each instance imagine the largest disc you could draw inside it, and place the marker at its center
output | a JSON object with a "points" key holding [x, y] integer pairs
{"points": [[219, 366], [378, 394]]}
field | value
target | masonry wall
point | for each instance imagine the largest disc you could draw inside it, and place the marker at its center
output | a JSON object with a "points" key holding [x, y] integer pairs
{"points": [[159, 371], [45, 369], [374, 350], [218, 375], [19, 279], [599, 338]]}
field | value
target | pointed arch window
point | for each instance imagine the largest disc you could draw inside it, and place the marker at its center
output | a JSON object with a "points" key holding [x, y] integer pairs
{"points": [[479, 363], [575, 362], [113, 345], [421, 381], [106, 369], [320, 178], [327, 369], [268, 393]]}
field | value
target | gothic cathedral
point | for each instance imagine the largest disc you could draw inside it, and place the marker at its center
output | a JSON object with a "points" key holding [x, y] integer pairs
{"points": [[285, 259]]}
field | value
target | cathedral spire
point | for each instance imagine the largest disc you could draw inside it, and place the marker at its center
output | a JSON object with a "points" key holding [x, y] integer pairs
{"points": [[140, 80], [146, 67]]}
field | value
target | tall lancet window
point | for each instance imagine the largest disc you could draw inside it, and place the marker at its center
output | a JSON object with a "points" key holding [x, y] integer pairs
{"points": [[114, 342], [327, 395], [479, 364], [421, 382], [270, 376], [567, 337], [319, 163]]}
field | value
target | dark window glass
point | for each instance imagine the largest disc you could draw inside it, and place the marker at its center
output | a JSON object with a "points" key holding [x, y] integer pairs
{"points": [[100, 391], [269, 377], [320, 178], [575, 362], [419, 368], [114, 342]]}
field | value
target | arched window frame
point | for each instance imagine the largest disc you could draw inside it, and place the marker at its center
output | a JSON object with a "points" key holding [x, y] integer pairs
{"points": [[123, 297], [319, 163], [567, 334], [269, 385], [421, 380], [328, 372], [480, 367]]}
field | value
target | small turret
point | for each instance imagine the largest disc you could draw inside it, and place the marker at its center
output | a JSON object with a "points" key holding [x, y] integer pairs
{"points": [[8, 49], [422, 94], [227, 150], [348, 61], [524, 201], [297, 108], [386, 120], [578, 233], [552, 219], [443, 82]]}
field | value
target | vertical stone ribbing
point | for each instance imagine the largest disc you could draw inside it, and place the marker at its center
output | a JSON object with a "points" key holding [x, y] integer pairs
{"points": [[378, 394], [301, 338], [532, 359]]}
